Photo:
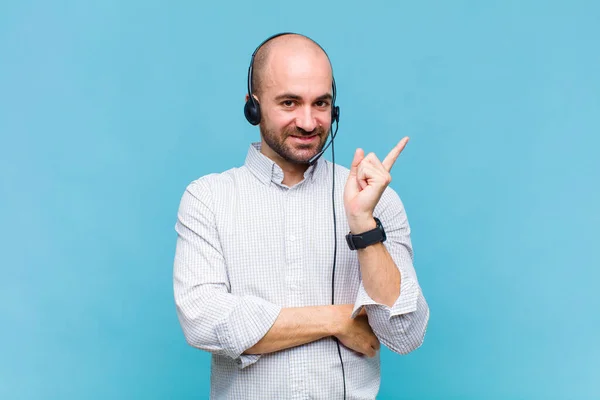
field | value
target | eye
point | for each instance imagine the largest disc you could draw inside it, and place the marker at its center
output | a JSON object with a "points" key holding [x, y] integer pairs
{"points": [[287, 103], [322, 103]]}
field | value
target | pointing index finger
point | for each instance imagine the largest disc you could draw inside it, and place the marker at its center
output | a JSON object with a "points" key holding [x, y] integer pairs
{"points": [[390, 159]]}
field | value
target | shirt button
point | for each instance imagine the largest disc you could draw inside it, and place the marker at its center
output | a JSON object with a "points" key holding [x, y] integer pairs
{"points": [[291, 238]]}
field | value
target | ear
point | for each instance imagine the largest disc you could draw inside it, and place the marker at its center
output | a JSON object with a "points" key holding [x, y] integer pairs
{"points": [[247, 97]]}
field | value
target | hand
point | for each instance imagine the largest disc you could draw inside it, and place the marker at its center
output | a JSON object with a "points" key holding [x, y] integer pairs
{"points": [[356, 334], [367, 180]]}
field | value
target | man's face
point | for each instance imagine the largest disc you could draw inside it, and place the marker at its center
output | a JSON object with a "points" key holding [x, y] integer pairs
{"points": [[295, 101]]}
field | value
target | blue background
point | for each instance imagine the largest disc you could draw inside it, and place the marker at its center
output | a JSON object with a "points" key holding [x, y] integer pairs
{"points": [[108, 109]]}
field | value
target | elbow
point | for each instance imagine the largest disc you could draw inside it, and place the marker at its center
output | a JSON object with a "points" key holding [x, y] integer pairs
{"points": [[192, 339], [411, 344], [195, 309], [195, 329], [190, 334], [202, 331], [412, 334]]}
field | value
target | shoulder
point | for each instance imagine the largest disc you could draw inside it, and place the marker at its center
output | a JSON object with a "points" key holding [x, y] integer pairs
{"points": [[212, 182], [210, 187]]}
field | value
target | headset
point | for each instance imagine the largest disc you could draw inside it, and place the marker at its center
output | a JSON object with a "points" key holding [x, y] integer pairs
{"points": [[252, 114]]}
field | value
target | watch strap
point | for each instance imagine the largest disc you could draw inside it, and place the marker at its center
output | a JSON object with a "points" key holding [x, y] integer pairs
{"points": [[362, 240]]}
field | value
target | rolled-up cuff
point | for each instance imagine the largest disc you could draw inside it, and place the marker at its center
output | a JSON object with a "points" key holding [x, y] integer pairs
{"points": [[244, 326], [405, 303], [245, 360]]}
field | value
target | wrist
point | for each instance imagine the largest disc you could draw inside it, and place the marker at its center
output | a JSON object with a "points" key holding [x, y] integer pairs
{"points": [[361, 224], [340, 315]]}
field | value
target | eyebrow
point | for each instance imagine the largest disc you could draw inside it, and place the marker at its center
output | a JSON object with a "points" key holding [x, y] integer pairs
{"points": [[291, 96]]}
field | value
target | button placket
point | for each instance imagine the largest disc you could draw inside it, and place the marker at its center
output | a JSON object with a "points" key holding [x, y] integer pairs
{"points": [[294, 267], [293, 247]]}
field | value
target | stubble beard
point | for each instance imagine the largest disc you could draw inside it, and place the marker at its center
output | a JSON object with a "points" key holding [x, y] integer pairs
{"points": [[280, 145]]}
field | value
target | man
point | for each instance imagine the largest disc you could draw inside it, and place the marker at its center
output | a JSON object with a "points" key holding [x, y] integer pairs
{"points": [[253, 264]]}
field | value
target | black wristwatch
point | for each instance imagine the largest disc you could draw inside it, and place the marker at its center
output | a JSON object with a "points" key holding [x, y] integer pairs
{"points": [[362, 240]]}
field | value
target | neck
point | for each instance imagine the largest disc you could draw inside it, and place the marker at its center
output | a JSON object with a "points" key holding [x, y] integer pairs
{"points": [[293, 173]]}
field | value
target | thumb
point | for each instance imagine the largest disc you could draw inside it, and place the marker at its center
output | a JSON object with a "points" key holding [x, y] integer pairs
{"points": [[359, 155]]}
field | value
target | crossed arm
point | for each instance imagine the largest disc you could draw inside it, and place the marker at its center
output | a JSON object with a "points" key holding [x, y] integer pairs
{"points": [[243, 327], [381, 280], [301, 325]]}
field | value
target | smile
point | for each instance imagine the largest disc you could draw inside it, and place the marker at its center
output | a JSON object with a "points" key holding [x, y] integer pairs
{"points": [[305, 139]]}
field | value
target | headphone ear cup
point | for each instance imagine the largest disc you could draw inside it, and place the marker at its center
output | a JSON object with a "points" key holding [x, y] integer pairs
{"points": [[252, 112], [335, 114]]}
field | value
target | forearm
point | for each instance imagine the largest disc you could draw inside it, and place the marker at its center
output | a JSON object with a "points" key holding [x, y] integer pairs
{"points": [[297, 326], [389, 290], [380, 276]]}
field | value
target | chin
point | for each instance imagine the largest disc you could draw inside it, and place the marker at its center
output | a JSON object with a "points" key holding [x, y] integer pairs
{"points": [[303, 157]]}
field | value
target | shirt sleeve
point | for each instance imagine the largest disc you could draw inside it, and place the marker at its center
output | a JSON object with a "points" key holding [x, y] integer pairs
{"points": [[402, 326], [211, 317]]}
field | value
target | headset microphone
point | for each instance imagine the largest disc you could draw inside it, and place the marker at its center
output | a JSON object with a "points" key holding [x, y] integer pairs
{"points": [[336, 119]]}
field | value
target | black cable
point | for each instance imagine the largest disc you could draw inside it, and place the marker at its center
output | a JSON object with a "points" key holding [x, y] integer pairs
{"points": [[335, 251], [335, 117]]}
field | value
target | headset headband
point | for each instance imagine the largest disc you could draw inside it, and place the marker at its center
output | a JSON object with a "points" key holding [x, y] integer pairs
{"points": [[252, 108]]}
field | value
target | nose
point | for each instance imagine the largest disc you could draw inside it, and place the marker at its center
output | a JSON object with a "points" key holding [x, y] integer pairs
{"points": [[305, 119]]}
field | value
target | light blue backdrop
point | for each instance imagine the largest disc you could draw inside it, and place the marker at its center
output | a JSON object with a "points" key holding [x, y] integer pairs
{"points": [[108, 109]]}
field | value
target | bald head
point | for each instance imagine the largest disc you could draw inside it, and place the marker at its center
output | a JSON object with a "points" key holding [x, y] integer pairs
{"points": [[284, 52]]}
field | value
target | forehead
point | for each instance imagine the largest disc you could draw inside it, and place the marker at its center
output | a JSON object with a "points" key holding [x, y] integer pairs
{"points": [[303, 70]]}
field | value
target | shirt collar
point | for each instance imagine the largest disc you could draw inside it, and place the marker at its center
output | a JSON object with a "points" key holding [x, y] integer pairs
{"points": [[267, 171]]}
